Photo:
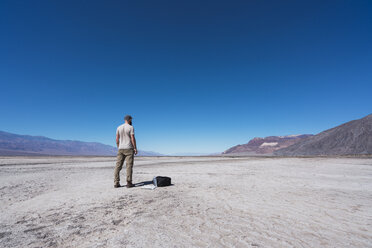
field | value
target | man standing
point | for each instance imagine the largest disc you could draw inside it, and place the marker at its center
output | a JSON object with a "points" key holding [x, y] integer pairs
{"points": [[126, 143]]}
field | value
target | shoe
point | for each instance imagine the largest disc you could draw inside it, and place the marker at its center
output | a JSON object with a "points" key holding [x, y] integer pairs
{"points": [[117, 186], [130, 185]]}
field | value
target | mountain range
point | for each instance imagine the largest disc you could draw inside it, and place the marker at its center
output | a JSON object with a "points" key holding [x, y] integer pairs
{"points": [[351, 138], [265, 146], [15, 144]]}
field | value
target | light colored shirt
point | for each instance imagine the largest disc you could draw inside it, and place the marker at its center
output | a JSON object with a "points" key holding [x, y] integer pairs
{"points": [[125, 131]]}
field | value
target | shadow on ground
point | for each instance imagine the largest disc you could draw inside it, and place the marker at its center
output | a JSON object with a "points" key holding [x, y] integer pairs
{"points": [[143, 183]]}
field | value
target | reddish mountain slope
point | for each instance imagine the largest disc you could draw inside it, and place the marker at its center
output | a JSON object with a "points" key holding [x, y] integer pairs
{"points": [[266, 145]]}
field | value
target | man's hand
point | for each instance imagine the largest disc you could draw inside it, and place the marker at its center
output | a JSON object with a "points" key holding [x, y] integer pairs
{"points": [[117, 140], [133, 140]]}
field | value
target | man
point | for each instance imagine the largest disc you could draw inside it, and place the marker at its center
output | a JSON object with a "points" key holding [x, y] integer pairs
{"points": [[126, 143]]}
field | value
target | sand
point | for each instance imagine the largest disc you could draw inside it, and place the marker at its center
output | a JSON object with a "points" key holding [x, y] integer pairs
{"points": [[214, 202]]}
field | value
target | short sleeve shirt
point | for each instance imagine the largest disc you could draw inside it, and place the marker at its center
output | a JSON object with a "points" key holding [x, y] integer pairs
{"points": [[125, 131]]}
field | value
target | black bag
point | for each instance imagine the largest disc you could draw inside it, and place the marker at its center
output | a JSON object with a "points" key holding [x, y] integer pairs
{"points": [[162, 181]]}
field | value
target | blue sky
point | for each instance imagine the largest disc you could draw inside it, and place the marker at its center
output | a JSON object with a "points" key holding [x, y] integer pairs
{"points": [[197, 76]]}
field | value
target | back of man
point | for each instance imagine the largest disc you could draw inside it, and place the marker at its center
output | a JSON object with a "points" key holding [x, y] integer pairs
{"points": [[125, 131], [127, 148]]}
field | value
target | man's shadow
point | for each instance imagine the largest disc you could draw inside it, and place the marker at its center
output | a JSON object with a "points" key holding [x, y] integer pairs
{"points": [[147, 183], [143, 183]]}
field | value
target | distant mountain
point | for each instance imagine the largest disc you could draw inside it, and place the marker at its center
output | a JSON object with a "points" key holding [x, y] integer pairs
{"points": [[267, 145], [351, 138], [186, 154], [149, 154], [15, 144]]}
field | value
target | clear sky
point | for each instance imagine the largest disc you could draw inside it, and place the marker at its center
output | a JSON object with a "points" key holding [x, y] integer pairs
{"points": [[197, 76]]}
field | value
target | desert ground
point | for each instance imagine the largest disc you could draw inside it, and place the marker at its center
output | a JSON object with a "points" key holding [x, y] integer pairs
{"points": [[213, 202]]}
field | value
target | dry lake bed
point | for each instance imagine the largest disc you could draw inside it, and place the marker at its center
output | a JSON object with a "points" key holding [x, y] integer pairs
{"points": [[213, 202]]}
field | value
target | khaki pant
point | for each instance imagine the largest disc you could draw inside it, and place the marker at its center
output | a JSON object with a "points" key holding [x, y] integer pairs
{"points": [[128, 156]]}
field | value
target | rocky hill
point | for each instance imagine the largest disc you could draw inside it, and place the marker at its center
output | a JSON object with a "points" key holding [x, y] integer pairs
{"points": [[351, 138], [266, 145]]}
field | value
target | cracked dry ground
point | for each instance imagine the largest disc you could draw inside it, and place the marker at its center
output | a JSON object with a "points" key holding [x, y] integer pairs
{"points": [[214, 202]]}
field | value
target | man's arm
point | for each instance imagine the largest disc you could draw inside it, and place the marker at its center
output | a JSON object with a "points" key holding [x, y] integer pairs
{"points": [[117, 140], [133, 139]]}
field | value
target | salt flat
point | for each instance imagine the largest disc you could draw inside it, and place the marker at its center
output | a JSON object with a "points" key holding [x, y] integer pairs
{"points": [[214, 202]]}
